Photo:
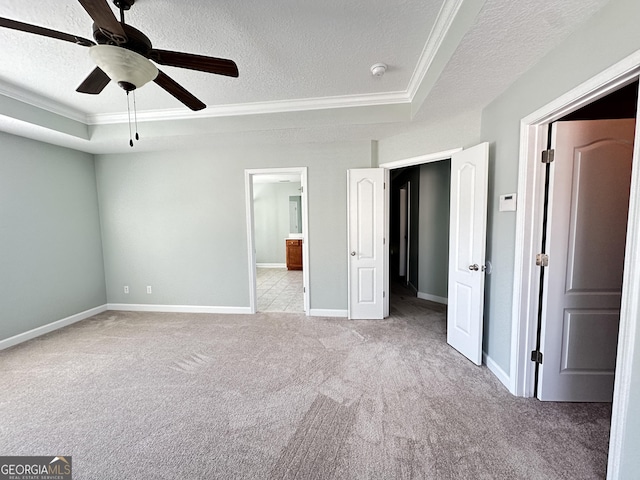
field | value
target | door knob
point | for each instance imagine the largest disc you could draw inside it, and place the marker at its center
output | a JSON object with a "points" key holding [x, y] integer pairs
{"points": [[353, 254], [474, 267]]}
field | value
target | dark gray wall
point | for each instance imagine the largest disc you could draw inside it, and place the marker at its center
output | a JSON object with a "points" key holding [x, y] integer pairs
{"points": [[435, 179], [414, 223]]}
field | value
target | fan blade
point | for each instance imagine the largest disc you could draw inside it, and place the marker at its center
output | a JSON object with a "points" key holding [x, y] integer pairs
{"points": [[103, 17], [219, 66], [178, 91], [94, 83], [45, 32]]}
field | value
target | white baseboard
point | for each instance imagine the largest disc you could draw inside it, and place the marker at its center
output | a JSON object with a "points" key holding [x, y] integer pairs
{"points": [[433, 298], [271, 265], [321, 312], [497, 371], [50, 327], [133, 307]]}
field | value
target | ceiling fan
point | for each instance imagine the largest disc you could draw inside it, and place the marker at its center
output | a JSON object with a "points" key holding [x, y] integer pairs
{"points": [[123, 54]]}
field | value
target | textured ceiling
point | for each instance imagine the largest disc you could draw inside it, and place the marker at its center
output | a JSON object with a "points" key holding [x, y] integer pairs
{"points": [[292, 57], [285, 50], [507, 39]]}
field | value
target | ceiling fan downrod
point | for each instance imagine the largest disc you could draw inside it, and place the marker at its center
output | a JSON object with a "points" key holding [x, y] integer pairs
{"points": [[122, 6]]}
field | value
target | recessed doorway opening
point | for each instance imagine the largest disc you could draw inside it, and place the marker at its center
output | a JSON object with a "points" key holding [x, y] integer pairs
{"points": [[277, 232]]}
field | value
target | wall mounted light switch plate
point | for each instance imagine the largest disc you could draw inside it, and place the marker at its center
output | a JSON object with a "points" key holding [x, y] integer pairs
{"points": [[508, 202]]}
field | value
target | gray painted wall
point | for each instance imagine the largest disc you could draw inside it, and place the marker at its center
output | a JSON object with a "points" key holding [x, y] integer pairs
{"points": [[601, 42], [414, 227], [50, 247], [435, 179], [424, 136], [271, 219], [177, 221]]}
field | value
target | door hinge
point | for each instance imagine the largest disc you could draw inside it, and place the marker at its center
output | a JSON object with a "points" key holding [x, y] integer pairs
{"points": [[536, 356], [384, 185], [304, 289], [542, 260], [548, 155], [384, 294]]}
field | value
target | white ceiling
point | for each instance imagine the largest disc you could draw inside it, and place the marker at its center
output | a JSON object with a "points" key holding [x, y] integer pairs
{"points": [[303, 65]]}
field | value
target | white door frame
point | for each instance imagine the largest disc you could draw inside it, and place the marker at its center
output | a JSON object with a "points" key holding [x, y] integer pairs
{"points": [[248, 186], [533, 137]]}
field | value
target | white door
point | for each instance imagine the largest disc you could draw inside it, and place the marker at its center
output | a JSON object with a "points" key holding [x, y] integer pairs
{"points": [[467, 242], [590, 181], [366, 242]]}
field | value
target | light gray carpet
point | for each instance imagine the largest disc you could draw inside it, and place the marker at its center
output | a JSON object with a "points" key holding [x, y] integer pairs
{"points": [[277, 395]]}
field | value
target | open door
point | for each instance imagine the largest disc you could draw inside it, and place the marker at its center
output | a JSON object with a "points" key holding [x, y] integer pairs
{"points": [[366, 246], [590, 184], [467, 244]]}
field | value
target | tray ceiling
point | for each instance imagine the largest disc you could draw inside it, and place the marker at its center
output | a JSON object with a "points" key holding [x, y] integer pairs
{"points": [[300, 57]]}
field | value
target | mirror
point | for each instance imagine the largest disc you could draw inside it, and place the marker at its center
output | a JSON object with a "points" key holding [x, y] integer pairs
{"points": [[295, 214]]}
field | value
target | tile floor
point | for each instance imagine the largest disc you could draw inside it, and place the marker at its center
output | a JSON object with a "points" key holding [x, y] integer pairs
{"points": [[279, 290]]}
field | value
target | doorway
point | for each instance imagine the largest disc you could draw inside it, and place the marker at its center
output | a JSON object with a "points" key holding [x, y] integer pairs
{"points": [[405, 226], [468, 181], [277, 239], [419, 231], [368, 249], [563, 334], [533, 137]]}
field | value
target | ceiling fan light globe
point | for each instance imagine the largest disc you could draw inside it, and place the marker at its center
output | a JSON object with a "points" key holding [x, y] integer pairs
{"points": [[123, 65]]}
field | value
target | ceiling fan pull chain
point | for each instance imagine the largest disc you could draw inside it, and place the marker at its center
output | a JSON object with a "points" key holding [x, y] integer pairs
{"points": [[135, 114], [129, 115]]}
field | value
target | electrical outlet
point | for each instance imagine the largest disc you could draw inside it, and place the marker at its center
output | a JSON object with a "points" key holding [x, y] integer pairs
{"points": [[149, 289], [126, 289]]}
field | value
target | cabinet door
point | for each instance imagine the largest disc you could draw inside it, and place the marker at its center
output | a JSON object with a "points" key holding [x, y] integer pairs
{"points": [[294, 254]]}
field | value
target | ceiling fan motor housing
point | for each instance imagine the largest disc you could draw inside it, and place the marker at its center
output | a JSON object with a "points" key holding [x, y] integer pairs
{"points": [[126, 86], [136, 40]]}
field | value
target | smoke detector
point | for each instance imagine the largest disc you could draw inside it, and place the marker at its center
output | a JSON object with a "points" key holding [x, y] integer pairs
{"points": [[378, 69]]}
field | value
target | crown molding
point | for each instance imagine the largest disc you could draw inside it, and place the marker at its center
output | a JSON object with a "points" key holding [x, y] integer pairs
{"points": [[42, 102], [443, 23], [258, 108]]}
